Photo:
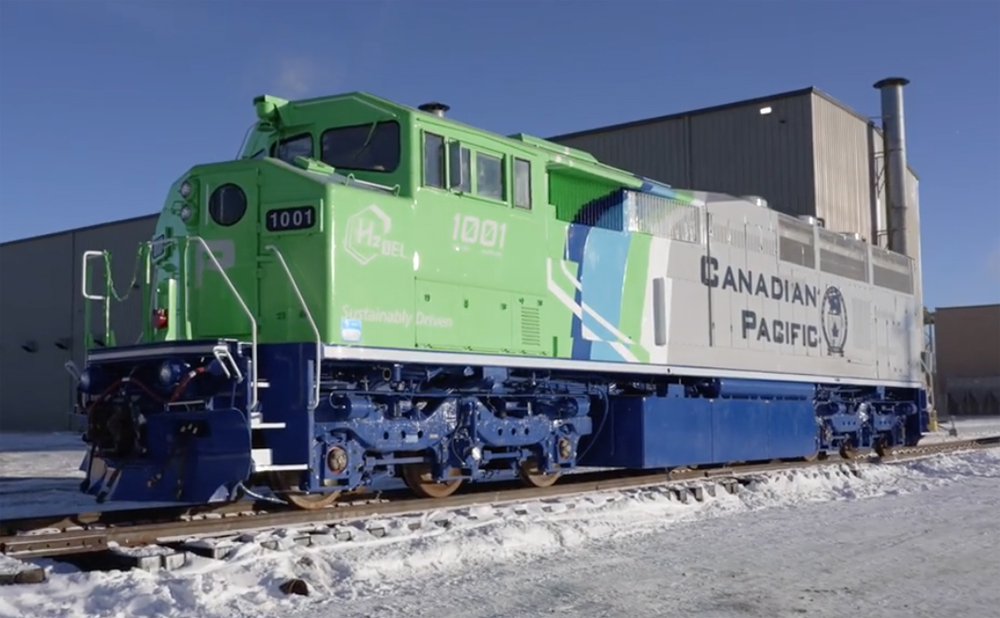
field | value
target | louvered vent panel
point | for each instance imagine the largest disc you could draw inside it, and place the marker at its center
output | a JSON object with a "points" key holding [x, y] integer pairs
{"points": [[531, 327]]}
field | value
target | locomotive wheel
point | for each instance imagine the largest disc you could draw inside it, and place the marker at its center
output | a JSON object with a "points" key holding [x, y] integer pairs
{"points": [[420, 481], [883, 448], [531, 476], [847, 451], [285, 485], [311, 502]]}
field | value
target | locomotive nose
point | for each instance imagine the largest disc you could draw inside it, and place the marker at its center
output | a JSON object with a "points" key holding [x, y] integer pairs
{"points": [[195, 458]]}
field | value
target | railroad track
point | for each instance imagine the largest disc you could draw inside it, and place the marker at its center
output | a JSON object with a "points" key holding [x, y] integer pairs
{"points": [[182, 528]]}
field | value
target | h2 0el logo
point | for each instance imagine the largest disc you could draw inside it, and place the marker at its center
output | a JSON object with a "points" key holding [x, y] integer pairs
{"points": [[366, 236]]}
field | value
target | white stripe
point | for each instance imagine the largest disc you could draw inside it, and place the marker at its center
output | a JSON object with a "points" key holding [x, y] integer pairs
{"points": [[575, 308], [334, 352], [624, 352], [564, 298], [569, 275], [600, 320]]}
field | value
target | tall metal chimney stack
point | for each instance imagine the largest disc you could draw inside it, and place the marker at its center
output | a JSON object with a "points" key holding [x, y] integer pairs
{"points": [[894, 135], [903, 210]]}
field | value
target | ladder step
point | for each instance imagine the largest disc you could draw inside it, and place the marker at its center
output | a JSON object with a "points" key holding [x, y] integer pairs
{"points": [[262, 462], [281, 468], [257, 422], [263, 425]]}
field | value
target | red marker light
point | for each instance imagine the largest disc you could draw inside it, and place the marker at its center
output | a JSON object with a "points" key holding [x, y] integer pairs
{"points": [[160, 319]]}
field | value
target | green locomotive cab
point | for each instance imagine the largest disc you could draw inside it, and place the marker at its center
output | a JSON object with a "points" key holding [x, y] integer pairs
{"points": [[232, 233], [344, 191]]}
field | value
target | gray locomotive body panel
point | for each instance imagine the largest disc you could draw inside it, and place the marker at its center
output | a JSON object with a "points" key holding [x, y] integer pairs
{"points": [[746, 291]]}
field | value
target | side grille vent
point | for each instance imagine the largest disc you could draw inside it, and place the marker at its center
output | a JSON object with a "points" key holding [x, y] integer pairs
{"points": [[531, 327]]}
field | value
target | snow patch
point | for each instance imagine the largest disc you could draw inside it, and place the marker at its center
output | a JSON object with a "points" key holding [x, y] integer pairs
{"points": [[399, 561]]}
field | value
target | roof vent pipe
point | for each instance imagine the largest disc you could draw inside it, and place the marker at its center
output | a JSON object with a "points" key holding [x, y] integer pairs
{"points": [[438, 109], [894, 136]]}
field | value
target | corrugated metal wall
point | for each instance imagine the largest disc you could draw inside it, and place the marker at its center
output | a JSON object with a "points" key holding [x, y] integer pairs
{"points": [[657, 150], [741, 152], [845, 185], [968, 341], [734, 150], [41, 302], [913, 232], [36, 279], [810, 155]]}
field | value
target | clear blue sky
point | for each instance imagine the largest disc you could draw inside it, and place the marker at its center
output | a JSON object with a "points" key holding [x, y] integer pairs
{"points": [[104, 104]]}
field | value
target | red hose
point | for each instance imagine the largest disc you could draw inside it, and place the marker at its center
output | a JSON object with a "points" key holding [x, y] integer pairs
{"points": [[184, 382]]}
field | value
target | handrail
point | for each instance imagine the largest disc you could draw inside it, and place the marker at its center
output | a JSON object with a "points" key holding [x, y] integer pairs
{"points": [[86, 259], [88, 255], [106, 297], [110, 293], [253, 321], [314, 402], [183, 261]]}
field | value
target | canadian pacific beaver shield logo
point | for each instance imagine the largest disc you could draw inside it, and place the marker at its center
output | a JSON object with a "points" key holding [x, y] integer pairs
{"points": [[833, 314]]}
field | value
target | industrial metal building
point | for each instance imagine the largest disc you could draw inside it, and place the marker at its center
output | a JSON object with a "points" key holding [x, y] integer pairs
{"points": [[967, 341], [41, 316], [802, 151]]}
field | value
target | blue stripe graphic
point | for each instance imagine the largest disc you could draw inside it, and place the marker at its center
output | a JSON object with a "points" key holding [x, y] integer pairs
{"points": [[604, 261]]}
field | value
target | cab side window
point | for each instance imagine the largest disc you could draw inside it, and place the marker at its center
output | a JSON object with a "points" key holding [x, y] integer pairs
{"points": [[489, 176], [291, 147], [460, 167], [450, 164], [433, 160], [522, 184]]}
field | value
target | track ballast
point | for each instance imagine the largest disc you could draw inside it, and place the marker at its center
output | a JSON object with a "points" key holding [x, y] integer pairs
{"points": [[159, 538]]}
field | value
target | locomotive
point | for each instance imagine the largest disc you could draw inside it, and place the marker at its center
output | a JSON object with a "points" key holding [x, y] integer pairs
{"points": [[374, 292]]}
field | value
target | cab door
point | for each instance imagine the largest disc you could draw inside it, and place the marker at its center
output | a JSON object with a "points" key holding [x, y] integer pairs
{"points": [[227, 224]]}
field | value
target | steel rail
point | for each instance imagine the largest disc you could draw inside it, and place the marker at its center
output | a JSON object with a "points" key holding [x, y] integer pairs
{"points": [[90, 532]]}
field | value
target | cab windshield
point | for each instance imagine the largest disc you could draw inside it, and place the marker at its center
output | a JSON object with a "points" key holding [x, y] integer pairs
{"points": [[369, 147]]}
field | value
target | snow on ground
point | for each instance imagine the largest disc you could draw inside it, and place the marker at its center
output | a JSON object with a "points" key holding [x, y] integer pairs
{"points": [[40, 475], [967, 427], [911, 539]]}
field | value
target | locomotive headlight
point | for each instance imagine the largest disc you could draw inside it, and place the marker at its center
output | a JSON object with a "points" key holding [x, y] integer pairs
{"points": [[185, 213], [171, 371], [185, 189], [86, 380], [166, 373], [92, 381]]}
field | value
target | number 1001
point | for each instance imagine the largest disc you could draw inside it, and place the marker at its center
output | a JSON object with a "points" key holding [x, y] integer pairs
{"points": [[475, 231], [298, 218]]}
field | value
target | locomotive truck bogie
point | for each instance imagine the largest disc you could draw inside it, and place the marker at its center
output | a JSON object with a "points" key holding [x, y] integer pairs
{"points": [[460, 422]]}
